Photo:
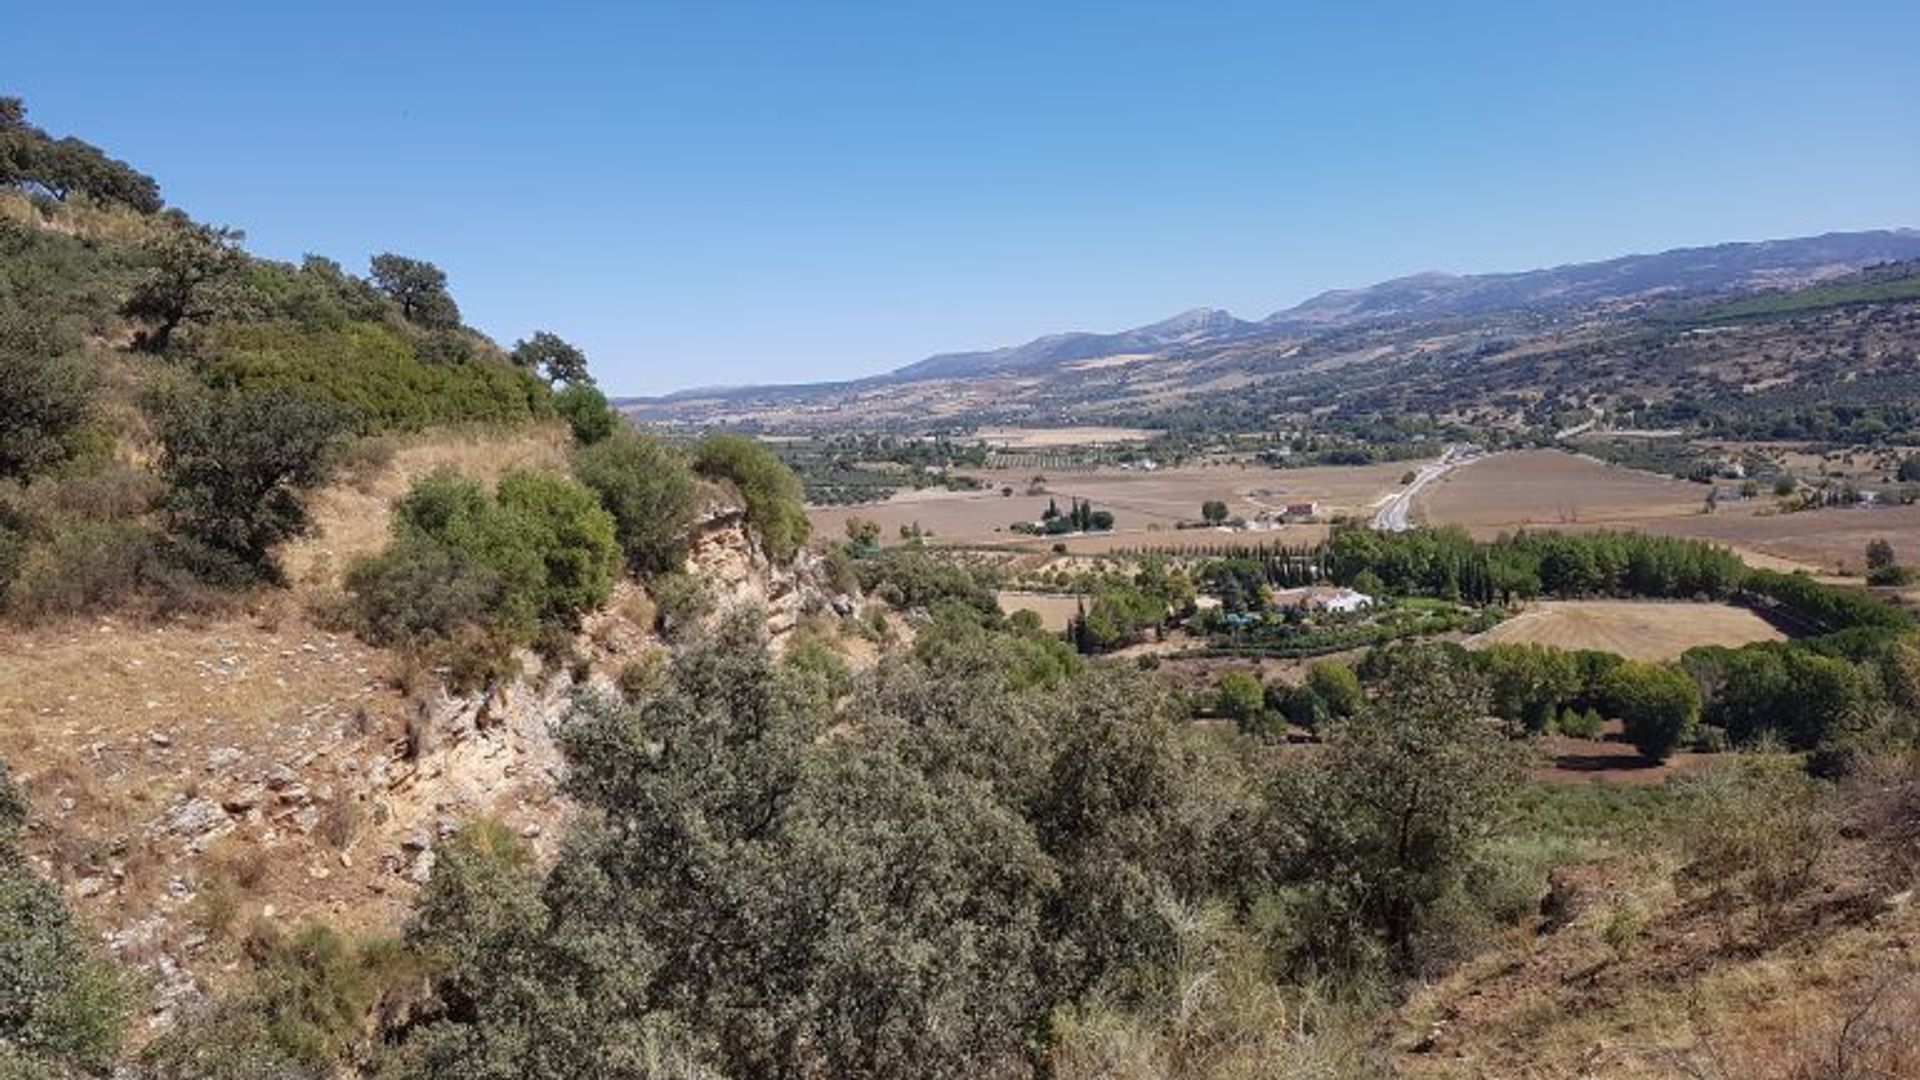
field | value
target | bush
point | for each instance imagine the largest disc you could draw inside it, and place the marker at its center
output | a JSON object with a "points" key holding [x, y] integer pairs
{"points": [[651, 493], [375, 373], [238, 466], [45, 405], [587, 412], [775, 500], [86, 567], [60, 1005], [470, 576]]}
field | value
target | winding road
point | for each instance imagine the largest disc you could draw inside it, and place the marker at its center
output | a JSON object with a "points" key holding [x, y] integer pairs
{"points": [[1396, 514]]}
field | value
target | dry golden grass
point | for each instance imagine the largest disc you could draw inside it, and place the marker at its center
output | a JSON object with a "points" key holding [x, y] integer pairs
{"points": [[1639, 630]]}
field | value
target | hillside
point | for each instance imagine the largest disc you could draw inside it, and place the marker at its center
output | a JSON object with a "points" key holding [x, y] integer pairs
{"points": [[1398, 347]]}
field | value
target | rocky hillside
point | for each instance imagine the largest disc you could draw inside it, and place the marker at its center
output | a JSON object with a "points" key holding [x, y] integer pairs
{"points": [[194, 777]]}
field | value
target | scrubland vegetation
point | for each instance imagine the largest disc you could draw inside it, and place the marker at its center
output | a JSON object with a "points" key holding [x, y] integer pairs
{"points": [[915, 837]]}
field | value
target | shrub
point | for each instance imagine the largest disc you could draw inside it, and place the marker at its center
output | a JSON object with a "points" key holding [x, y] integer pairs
{"points": [[775, 499], [587, 412], [375, 373], [238, 466], [45, 405], [60, 1005], [651, 493], [83, 568], [470, 576]]}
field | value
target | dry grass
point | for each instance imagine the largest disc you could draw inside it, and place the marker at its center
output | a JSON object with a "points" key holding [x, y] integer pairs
{"points": [[1548, 488], [1639, 630]]}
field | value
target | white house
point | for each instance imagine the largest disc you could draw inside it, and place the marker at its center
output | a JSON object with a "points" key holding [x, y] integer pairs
{"points": [[1322, 598]]}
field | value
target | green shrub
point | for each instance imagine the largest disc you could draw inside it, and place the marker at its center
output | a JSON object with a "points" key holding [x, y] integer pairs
{"points": [[470, 576], [238, 466], [375, 373], [587, 412], [61, 1006], [651, 493], [46, 402], [775, 500]]}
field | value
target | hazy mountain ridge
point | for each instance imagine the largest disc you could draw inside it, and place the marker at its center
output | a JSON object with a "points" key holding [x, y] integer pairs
{"points": [[1207, 350]]}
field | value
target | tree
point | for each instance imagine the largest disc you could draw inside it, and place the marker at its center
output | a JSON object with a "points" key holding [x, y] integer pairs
{"points": [[775, 501], [1239, 697], [1879, 554], [1376, 834], [192, 263], [1336, 689], [651, 492], [419, 288], [1908, 471], [1658, 705], [238, 465], [1213, 511], [587, 412], [62, 167], [553, 358]]}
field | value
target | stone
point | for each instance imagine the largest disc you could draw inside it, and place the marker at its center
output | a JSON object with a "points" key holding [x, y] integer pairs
{"points": [[195, 817]]}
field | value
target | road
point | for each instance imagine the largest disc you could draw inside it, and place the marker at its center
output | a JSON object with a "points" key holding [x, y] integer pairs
{"points": [[1396, 514]]}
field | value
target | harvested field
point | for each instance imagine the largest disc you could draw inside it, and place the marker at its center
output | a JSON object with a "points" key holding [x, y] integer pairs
{"points": [[1026, 438], [1146, 505], [1640, 630], [1055, 610], [1833, 540], [1549, 488]]}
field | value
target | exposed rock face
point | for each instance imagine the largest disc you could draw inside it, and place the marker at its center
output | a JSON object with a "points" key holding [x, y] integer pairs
{"points": [[729, 560]]}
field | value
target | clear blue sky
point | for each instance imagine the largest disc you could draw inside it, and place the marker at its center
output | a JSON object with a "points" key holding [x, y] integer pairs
{"points": [[707, 193]]}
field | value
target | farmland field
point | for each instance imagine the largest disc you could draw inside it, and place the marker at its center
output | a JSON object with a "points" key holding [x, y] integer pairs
{"points": [[1548, 488], [1146, 505], [1639, 630], [1826, 540], [1055, 611]]}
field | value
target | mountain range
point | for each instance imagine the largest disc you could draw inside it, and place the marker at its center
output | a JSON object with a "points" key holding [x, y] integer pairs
{"points": [[1495, 304]]}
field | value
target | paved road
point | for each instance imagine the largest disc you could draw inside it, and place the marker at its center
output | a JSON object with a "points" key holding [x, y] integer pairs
{"points": [[1396, 515]]}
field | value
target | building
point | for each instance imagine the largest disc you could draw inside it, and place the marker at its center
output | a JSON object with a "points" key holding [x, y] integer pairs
{"points": [[1302, 509], [1322, 598]]}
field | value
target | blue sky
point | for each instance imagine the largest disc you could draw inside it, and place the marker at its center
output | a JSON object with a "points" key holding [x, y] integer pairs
{"points": [[710, 193]]}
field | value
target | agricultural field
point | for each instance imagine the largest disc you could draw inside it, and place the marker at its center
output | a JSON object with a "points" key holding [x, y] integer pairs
{"points": [[1832, 540], [1636, 629], [1551, 489], [1056, 610], [1032, 438], [1146, 505]]}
